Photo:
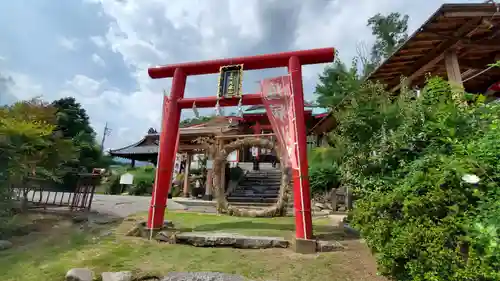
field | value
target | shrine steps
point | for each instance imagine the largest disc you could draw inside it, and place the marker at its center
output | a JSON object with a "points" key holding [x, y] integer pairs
{"points": [[259, 187]]}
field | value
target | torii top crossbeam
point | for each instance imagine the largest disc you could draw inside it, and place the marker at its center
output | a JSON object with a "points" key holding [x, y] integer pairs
{"points": [[313, 56]]}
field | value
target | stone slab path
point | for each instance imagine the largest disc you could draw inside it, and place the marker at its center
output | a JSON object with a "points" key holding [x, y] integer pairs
{"points": [[217, 239]]}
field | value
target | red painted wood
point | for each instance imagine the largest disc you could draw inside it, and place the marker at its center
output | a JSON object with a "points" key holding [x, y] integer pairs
{"points": [[301, 190], [169, 139], [312, 56], [203, 102]]}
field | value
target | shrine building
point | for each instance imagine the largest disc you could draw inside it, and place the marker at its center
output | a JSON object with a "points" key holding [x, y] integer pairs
{"points": [[254, 121]]}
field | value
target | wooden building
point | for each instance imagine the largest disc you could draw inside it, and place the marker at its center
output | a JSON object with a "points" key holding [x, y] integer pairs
{"points": [[253, 122], [458, 42]]}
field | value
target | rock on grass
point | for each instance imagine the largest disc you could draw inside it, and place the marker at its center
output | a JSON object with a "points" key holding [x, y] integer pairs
{"points": [[4, 245], [79, 274], [117, 276]]}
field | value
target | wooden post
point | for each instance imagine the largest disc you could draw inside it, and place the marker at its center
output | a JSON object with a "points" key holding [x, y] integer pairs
{"points": [[453, 68], [333, 199]]}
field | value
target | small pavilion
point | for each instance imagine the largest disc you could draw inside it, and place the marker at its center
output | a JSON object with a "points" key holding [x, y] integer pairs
{"points": [[221, 130]]}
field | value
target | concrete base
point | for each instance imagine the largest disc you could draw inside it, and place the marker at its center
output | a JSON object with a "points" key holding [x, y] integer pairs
{"points": [[304, 246]]}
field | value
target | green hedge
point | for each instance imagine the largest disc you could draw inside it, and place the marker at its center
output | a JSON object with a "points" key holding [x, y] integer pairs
{"points": [[406, 158]]}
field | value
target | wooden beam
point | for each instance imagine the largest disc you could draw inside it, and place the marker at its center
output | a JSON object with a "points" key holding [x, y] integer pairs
{"points": [[479, 63], [470, 14], [243, 136], [437, 54], [453, 68]]}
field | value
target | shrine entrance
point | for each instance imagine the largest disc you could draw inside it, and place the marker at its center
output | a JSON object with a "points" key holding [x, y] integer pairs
{"points": [[230, 80]]}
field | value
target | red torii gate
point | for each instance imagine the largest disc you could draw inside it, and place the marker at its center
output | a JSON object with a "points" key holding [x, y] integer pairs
{"points": [[172, 113]]}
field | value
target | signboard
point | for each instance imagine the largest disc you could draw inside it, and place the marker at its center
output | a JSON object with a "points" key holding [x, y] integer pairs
{"points": [[278, 101], [230, 81], [127, 178], [210, 164], [177, 167], [255, 151]]}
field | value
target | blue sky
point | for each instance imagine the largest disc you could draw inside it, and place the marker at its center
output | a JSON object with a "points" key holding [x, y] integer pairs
{"points": [[99, 50]]}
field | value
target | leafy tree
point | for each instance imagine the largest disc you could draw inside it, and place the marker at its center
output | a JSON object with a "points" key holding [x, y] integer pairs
{"points": [[405, 160], [390, 32], [340, 80], [195, 121], [31, 145], [337, 82], [72, 120]]}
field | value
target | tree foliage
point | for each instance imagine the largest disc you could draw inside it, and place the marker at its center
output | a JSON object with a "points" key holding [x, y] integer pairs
{"points": [[340, 80], [405, 158], [195, 121], [31, 146], [73, 122], [390, 32]]}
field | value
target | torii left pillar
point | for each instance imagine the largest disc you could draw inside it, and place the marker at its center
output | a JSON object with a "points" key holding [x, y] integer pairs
{"points": [[293, 61]]}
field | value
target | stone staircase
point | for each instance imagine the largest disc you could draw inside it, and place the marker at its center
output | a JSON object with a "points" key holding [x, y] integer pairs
{"points": [[258, 189]]}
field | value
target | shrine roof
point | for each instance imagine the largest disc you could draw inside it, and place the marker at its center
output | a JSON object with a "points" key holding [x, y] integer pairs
{"points": [[133, 149], [149, 144], [471, 30]]}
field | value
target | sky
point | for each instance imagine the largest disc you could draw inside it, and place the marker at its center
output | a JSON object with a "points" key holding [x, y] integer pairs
{"points": [[98, 51]]}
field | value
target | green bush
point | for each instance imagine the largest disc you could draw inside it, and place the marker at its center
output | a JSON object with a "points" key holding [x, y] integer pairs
{"points": [[323, 177], [405, 158], [113, 186], [143, 182]]}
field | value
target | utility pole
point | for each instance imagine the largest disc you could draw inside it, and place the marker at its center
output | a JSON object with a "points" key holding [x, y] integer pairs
{"points": [[107, 132]]}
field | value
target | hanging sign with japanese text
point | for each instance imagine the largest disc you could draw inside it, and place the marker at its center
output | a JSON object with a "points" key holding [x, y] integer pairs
{"points": [[278, 99]]}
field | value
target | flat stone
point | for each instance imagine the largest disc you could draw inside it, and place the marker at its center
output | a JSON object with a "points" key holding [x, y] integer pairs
{"points": [[117, 276], [201, 276], [79, 274], [4, 245], [211, 239], [328, 246], [320, 205]]}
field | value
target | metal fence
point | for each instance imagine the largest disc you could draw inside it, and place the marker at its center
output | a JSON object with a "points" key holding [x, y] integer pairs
{"points": [[40, 194]]}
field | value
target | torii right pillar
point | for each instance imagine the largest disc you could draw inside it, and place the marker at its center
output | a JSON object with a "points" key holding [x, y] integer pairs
{"points": [[301, 190]]}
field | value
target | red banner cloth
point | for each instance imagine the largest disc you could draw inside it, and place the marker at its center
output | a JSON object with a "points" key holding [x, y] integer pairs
{"points": [[278, 101]]}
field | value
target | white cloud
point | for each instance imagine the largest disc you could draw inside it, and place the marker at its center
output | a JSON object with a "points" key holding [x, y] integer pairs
{"points": [[137, 34], [24, 87], [98, 41], [98, 60], [68, 43]]}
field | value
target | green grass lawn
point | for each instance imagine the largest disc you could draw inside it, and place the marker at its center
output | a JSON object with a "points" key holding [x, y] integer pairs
{"points": [[58, 246]]}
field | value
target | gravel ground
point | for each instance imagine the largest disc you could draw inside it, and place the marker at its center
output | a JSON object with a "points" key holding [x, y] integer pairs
{"points": [[119, 205]]}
